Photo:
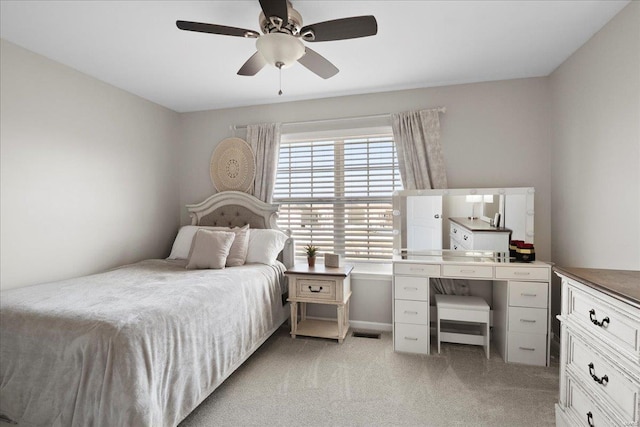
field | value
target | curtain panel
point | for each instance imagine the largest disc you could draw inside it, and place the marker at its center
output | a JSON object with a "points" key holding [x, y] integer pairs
{"points": [[264, 140], [417, 137]]}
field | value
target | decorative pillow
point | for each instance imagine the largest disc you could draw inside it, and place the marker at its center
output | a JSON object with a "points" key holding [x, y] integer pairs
{"points": [[210, 249], [238, 252], [182, 244], [264, 246]]}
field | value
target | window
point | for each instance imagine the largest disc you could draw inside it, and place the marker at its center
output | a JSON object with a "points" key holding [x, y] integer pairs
{"points": [[336, 193]]}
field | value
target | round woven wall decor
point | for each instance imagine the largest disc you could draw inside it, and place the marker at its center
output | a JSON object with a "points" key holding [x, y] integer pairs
{"points": [[232, 165]]}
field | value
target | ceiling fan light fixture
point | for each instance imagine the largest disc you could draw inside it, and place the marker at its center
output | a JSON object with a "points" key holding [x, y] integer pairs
{"points": [[280, 50]]}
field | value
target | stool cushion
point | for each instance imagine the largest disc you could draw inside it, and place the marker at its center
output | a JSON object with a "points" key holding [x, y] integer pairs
{"points": [[461, 302]]}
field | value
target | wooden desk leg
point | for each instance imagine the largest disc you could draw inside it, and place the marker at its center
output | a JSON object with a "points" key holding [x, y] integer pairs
{"points": [[303, 311], [294, 318], [340, 322]]}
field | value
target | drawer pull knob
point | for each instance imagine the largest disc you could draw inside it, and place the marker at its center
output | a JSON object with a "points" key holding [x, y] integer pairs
{"points": [[592, 371], [411, 338], [410, 312], [315, 291], [467, 271], [416, 269], [590, 419], [408, 288], [527, 321], [594, 320], [527, 348], [521, 273], [528, 295]]}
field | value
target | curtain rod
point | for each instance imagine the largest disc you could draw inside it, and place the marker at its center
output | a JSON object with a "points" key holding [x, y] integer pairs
{"points": [[340, 119]]}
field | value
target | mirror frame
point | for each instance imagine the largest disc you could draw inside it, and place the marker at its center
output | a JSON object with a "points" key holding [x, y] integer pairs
{"points": [[528, 192]]}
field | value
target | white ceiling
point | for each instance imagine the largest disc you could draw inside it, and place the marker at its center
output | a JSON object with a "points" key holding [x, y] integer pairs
{"points": [[135, 45]]}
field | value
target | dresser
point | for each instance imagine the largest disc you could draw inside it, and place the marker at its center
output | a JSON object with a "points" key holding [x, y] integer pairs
{"points": [[599, 348], [474, 234], [520, 305]]}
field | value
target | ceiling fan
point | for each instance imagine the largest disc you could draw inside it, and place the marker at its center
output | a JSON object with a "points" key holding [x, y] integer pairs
{"points": [[281, 44]]}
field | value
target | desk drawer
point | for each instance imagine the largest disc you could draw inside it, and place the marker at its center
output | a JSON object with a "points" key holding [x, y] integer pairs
{"points": [[470, 271], [616, 388], [523, 273], [411, 288], [413, 312], [530, 320], [528, 294], [413, 269], [316, 289], [530, 349], [411, 338], [615, 326]]}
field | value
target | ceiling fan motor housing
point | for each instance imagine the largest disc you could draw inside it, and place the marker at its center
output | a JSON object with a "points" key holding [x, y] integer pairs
{"points": [[275, 24]]}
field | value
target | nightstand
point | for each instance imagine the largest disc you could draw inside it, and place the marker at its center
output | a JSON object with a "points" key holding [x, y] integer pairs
{"points": [[319, 285]]}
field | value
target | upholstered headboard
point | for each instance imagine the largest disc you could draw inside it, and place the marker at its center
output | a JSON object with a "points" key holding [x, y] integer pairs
{"points": [[237, 209]]}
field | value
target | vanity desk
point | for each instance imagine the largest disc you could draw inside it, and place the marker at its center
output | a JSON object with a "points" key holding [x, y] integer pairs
{"points": [[520, 302]]}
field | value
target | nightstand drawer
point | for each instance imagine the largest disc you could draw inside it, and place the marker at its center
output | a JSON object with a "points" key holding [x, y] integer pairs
{"points": [[530, 349], [414, 312], [471, 271], [411, 288], [316, 289], [412, 269], [411, 338], [522, 273], [582, 407], [530, 320], [528, 294]]}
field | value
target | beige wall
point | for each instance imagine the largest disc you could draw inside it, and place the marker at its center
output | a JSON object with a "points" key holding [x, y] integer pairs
{"points": [[596, 149], [87, 173], [494, 135]]}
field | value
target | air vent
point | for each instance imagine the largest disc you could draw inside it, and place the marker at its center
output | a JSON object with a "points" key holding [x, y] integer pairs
{"points": [[360, 334]]}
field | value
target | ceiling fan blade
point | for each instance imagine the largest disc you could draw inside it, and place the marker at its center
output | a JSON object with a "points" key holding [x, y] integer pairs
{"points": [[200, 27], [318, 64], [275, 8], [340, 29], [253, 65]]}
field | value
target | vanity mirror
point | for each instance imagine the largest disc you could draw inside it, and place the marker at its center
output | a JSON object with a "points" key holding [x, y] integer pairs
{"points": [[462, 219]]}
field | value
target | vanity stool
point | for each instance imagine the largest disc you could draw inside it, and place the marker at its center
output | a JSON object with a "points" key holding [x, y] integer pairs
{"points": [[463, 310]]}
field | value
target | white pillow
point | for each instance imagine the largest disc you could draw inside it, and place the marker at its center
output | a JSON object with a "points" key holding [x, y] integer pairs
{"points": [[182, 244], [264, 246], [240, 246], [210, 249]]}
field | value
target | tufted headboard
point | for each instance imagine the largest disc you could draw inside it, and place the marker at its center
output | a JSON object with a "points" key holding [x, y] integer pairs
{"points": [[237, 209]]}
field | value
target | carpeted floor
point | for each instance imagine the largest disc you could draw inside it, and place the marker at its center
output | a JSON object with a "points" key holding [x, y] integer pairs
{"points": [[362, 382]]}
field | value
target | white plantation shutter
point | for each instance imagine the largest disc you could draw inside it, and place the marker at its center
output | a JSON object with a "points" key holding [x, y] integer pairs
{"points": [[336, 194]]}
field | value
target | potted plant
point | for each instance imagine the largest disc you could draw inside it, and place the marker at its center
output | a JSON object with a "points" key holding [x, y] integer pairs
{"points": [[311, 252]]}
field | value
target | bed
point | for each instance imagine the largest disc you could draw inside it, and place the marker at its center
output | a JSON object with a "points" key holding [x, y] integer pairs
{"points": [[143, 344]]}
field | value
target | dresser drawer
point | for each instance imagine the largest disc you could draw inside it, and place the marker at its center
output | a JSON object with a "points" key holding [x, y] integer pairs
{"points": [[411, 288], [522, 273], [529, 320], [614, 325], [530, 349], [316, 289], [471, 271], [412, 269], [414, 312], [528, 294], [620, 392], [582, 408], [411, 338]]}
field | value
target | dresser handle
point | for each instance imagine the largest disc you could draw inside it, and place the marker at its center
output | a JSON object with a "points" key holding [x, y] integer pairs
{"points": [[590, 419], [592, 316], [604, 380], [415, 269], [527, 321], [315, 292], [410, 312], [466, 237], [467, 271], [528, 295], [521, 273], [411, 338], [527, 348], [408, 288]]}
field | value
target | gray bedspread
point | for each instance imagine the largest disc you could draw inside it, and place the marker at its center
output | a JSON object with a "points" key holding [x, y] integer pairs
{"points": [[141, 345]]}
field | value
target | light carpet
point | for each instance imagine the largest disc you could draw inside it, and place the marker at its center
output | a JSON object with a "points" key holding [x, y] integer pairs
{"points": [[362, 382]]}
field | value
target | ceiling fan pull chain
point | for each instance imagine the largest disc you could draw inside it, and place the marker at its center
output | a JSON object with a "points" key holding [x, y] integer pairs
{"points": [[279, 65]]}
